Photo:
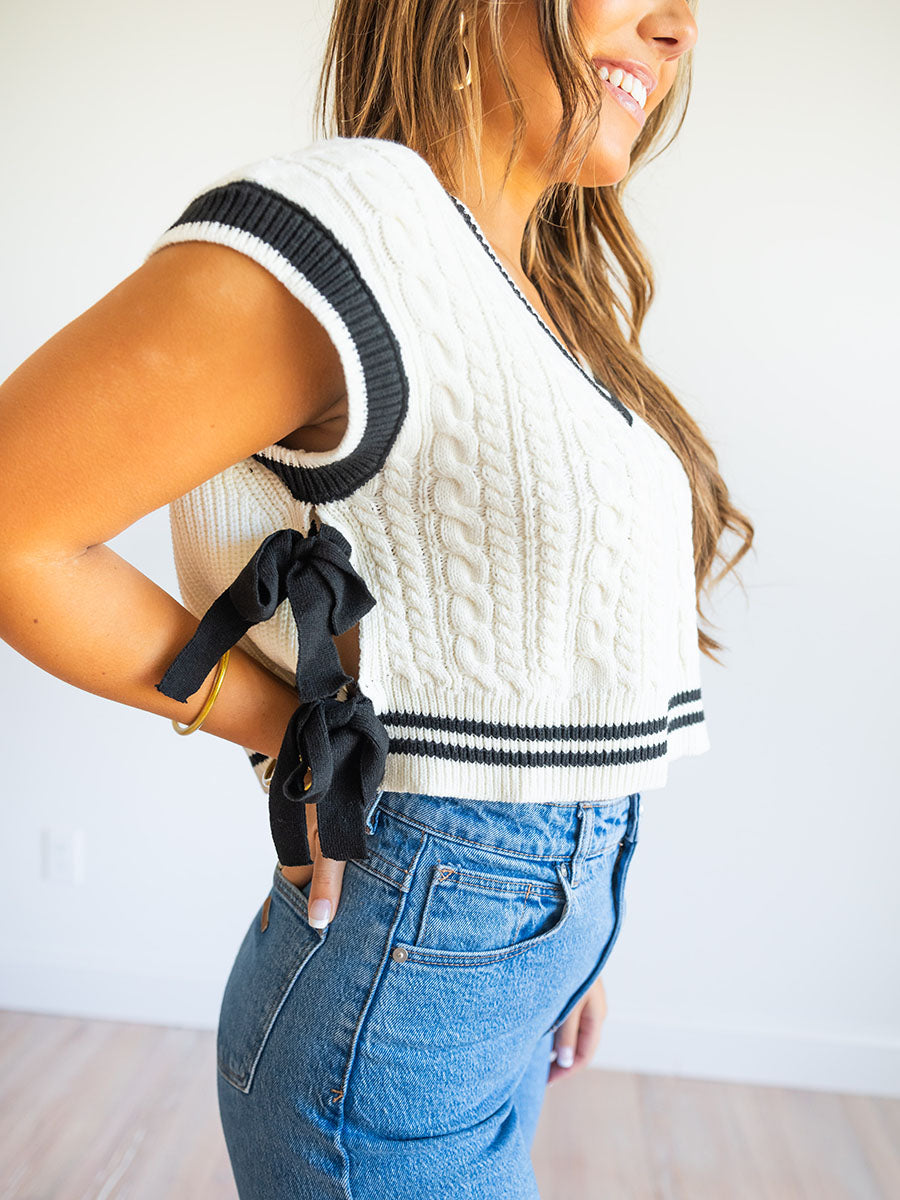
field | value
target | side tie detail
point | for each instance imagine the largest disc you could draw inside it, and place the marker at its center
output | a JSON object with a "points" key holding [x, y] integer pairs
{"points": [[341, 743], [326, 594], [344, 746]]}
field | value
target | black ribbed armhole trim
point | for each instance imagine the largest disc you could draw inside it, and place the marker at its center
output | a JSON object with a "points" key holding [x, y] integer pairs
{"points": [[314, 251]]}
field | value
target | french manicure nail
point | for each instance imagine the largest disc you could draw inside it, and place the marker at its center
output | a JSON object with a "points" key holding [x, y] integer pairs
{"points": [[566, 1056], [319, 913]]}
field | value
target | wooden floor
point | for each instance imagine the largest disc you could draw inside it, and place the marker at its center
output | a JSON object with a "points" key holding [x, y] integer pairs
{"points": [[96, 1110]]}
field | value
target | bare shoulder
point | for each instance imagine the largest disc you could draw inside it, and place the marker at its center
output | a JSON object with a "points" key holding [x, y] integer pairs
{"points": [[248, 302], [194, 362]]}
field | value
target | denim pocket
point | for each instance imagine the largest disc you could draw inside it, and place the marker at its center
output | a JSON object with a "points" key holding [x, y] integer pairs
{"points": [[476, 911], [275, 949], [471, 915]]}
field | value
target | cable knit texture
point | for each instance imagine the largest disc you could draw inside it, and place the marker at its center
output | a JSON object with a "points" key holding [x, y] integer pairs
{"points": [[525, 536]]}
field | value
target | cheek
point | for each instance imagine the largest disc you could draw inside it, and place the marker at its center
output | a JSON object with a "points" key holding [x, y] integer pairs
{"points": [[599, 19]]}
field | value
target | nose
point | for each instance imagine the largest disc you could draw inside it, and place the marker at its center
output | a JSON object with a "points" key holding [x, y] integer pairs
{"points": [[671, 26]]}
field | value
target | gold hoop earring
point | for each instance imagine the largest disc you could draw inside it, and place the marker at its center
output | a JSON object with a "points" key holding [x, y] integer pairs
{"points": [[462, 28]]}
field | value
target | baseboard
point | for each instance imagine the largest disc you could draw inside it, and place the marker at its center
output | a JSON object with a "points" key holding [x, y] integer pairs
{"points": [[757, 1056], [760, 1056]]}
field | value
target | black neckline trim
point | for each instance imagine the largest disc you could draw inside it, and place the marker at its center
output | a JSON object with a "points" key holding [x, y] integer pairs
{"points": [[473, 225]]}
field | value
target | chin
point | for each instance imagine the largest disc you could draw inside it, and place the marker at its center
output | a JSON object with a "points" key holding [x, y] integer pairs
{"points": [[604, 169]]}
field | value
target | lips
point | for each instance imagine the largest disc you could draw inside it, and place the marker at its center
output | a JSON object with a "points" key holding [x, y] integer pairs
{"points": [[627, 102], [638, 69]]}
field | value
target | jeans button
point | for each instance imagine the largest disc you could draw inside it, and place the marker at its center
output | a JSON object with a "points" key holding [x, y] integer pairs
{"points": [[399, 954]]}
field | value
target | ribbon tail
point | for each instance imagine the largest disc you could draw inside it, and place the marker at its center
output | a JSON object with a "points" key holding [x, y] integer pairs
{"points": [[319, 671], [287, 819], [251, 597], [345, 747], [306, 746], [360, 752], [220, 627]]}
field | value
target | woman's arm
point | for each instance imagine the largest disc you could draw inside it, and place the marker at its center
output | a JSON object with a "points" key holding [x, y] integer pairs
{"points": [[191, 364]]}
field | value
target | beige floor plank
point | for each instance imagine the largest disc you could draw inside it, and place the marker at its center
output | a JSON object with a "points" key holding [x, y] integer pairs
{"points": [[97, 1110], [818, 1119], [876, 1124], [591, 1140], [85, 1116]]}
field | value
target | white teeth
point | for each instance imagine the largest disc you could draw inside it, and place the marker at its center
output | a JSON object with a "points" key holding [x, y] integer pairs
{"points": [[627, 82]]}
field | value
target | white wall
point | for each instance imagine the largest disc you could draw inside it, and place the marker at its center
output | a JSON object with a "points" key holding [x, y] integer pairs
{"points": [[759, 940]]}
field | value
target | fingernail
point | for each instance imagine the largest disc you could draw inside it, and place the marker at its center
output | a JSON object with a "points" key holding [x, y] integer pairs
{"points": [[565, 1056], [319, 913]]}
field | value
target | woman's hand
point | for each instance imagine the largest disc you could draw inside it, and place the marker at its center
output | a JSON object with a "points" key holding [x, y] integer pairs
{"points": [[327, 875], [575, 1042]]}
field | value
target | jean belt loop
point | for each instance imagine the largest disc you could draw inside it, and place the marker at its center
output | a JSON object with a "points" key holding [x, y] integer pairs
{"points": [[583, 842], [634, 809], [371, 817]]}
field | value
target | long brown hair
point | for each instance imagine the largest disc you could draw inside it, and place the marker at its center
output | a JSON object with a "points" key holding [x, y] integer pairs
{"points": [[394, 65]]}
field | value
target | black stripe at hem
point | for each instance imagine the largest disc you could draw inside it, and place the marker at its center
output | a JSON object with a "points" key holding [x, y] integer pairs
{"points": [[500, 731], [488, 756]]}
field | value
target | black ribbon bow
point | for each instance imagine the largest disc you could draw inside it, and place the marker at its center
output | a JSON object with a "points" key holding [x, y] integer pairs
{"points": [[333, 751], [333, 754], [326, 594]]}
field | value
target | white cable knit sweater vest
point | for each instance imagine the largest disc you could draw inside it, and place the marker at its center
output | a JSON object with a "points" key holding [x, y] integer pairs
{"points": [[527, 538]]}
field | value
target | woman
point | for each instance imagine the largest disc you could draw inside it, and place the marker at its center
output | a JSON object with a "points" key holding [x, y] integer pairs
{"points": [[363, 382]]}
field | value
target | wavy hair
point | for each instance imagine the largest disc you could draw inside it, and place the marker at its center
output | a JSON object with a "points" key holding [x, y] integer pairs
{"points": [[392, 66]]}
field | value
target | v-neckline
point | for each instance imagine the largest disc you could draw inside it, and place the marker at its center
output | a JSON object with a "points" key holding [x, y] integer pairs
{"points": [[469, 218]]}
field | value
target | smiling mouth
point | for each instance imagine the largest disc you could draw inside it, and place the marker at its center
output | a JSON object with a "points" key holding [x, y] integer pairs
{"points": [[625, 82], [628, 90]]}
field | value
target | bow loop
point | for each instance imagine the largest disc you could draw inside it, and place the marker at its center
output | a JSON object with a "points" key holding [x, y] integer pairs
{"points": [[343, 747], [261, 584], [348, 597], [327, 596]]}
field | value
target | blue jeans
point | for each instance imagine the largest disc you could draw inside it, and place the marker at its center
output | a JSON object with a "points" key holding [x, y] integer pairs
{"points": [[402, 1052]]}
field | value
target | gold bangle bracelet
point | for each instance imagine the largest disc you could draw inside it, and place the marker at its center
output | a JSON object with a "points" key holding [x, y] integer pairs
{"points": [[210, 700], [268, 773]]}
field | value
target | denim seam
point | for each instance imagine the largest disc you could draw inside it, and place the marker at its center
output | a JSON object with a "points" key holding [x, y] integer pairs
{"points": [[399, 909], [295, 900], [619, 876], [481, 958], [532, 803], [607, 849], [450, 837], [365, 866], [483, 882], [270, 1015], [375, 854]]}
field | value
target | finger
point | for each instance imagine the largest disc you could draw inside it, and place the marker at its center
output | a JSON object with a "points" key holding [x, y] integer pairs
{"points": [[577, 1038], [327, 879], [325, 891], [597, 992], [593, 1014], [564, 1043], [298, 876], [589, 1030]]}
